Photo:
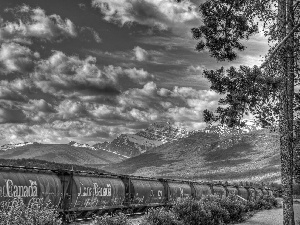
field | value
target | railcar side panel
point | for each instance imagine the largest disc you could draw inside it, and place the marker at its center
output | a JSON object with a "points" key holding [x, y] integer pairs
{"points": [[31, 186], [243, 193], [251, 194], [178, 190], [95, 192], [147, 192], [231, 190], [201, 190], [219, 190]]}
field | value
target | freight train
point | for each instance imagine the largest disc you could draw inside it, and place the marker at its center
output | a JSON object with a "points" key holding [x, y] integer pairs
{"points": [[79, 194]]}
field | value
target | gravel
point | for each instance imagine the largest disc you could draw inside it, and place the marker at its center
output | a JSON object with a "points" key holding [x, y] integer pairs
{"points": [[270, 217]]}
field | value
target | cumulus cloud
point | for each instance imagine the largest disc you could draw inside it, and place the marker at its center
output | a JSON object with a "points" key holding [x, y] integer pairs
{"points": [[15, 90], [163, 14], [16, 58], [139, 76], [141, 54], [34, 23], [61, 132], [68, 109], [63, 75]]}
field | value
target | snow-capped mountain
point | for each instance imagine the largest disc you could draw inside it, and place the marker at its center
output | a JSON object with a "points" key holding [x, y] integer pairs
{"points": [[79, 145], [12, 146], [76, 144], [134, 144], [223, 130]]}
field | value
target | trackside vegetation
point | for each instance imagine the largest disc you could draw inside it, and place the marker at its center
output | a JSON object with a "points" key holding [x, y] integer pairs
{"points": [[37, 213], [210, 210]]}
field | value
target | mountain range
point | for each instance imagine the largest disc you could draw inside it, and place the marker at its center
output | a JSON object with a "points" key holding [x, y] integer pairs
{"points": [[61, 153], [216, 153], [134, 144], [162, 150]]}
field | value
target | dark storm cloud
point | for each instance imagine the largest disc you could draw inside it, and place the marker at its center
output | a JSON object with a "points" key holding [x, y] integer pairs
{"points": [[8, 115]]}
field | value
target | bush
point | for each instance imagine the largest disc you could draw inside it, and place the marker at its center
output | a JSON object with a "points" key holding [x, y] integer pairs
{"points": [[235, 207], [17, 213], [192, 212], [119, 219], [266, 202], [160, 216]]}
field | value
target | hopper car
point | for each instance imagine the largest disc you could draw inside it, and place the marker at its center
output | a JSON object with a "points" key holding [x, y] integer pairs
{"points": [[80, 194]]}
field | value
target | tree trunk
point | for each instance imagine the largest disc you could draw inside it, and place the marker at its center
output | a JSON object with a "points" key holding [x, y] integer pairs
{"points": [[285, 25]]}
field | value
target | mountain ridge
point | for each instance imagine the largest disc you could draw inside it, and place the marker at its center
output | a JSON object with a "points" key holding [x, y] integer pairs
{"points": [[252, 155], [134, 144]]}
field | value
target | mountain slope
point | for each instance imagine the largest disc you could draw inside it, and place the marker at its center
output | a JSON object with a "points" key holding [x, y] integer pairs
{"points": [[134, 144], [251, 155], [62, 153]]}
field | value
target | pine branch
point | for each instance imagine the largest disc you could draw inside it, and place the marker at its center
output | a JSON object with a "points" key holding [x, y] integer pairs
{"points": [[279, 46]]}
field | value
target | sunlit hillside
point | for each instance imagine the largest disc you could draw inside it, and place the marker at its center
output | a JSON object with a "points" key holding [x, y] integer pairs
{"points": [[209, 156]]}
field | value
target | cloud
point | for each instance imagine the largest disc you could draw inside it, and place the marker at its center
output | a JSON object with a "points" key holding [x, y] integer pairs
{"points": [[11, 115], [141, 54], [139, 76], [39, 105], [63, 75], [15, 90], [196, 69], [16, 58], [34, 23], [163, 14], [68, 109], [61, 132], [95, 35]]}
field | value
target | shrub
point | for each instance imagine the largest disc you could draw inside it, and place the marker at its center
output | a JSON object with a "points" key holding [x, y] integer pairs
{"points": [[192, 212], [235, 207], [160, 216], [119, 219], [17, 213]]}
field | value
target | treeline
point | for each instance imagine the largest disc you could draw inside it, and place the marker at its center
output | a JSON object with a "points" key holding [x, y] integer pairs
{"points": [[46, 165]]}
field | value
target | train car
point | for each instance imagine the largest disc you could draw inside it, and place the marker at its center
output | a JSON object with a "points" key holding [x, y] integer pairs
{"points": [[143, 193], [219, 189], [231, 190], [87, 193], [243, 192], [176, 189], [199, 190], [32, 185], [251, 193]]}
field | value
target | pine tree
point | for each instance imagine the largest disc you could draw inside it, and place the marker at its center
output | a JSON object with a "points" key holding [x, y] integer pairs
{"points": [[266, 91]]}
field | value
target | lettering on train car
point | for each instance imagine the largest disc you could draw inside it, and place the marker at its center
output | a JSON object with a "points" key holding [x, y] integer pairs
{"points": [[95, 190], [159, 194], [91, 202], [140, 199], [11, 190]]}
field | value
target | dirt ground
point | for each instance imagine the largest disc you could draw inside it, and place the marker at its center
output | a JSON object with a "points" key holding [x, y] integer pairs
{"points": [[271, 217]]}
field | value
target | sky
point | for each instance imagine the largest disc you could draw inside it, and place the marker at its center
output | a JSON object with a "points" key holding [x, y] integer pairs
{"points": [[90, 70]]}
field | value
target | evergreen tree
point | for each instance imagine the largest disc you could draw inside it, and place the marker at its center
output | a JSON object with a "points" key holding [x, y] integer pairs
{"points": [[266, 91]]}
